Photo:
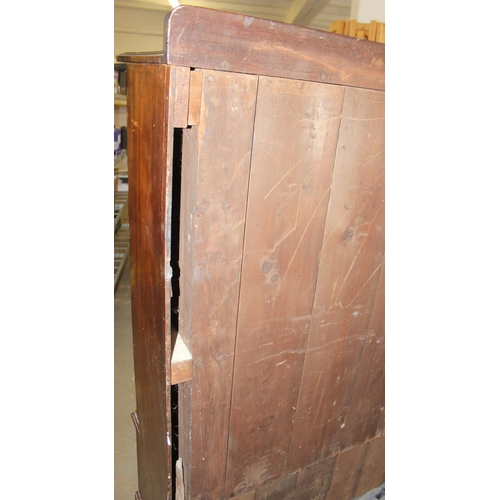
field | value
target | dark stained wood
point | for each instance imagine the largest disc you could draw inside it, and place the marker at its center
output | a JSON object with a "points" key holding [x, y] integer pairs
{"points": [[216, 162], [205, 38], [352, 255], [365, 417], [373, 473], [149, 168], [296, 128], [346, 473]]}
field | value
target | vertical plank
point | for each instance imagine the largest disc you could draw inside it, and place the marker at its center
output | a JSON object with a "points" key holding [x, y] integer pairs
{"points": [[185, 419], [215, 172], [196, 80], [296, 129], [180, 84], [365, 416], [150, 166], [346, 473], [351, 259], [373, 473]]}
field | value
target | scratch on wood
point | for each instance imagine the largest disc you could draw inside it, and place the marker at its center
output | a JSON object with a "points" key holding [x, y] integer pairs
{"points": [[357, 253], [361, 289], [304, 233], [277, 184], [286, 351], [320, 120], [290, 229], [372, 157], [302, 351], [364, 119], [236, 170], [136, 124]]}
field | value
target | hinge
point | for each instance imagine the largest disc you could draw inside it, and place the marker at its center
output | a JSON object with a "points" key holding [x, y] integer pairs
{"points": [[138, 495]]}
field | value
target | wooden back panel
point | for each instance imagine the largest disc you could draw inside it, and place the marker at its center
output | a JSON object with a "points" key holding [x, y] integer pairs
{"points": [[281, 257]]}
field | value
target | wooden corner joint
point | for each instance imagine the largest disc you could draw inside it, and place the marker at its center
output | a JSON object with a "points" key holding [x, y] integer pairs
{"points": [[186, 94]]}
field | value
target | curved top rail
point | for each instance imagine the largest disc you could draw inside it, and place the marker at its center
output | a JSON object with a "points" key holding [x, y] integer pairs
{"points": [[209, 39]]}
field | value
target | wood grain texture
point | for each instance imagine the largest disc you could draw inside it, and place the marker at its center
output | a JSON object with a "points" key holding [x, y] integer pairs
{"points": [[153, 57], [278, 489], [314, 481], [250, 495], [365, 417], [351, 259], [180, 81], [205, 38], [296, 129], [195, 86], [216, 162], [373, 473], [185, 417], [346, 473], [311, 483], [149, 169]]}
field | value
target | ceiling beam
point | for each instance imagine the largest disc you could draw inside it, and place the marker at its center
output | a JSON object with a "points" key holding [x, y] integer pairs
{"points": [[303, 12]]}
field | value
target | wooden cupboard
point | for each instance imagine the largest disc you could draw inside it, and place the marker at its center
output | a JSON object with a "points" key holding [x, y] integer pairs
{"points": [[256, 206]]}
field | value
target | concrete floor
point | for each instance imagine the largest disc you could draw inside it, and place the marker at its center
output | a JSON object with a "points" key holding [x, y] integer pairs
{"points": [[125, 445]]}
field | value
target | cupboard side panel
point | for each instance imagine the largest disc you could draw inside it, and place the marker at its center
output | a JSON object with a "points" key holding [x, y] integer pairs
{"points": [[149, 164], [216, 162], [296, 129], [352, 256]]}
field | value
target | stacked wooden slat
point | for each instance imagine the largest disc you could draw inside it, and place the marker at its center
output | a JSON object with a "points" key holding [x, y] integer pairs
{"points": [[374, 30]]}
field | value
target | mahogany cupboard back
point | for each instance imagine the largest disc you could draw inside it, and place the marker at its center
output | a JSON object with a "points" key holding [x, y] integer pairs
{"points": [[256, 174]]}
